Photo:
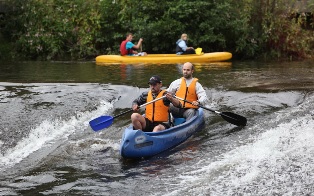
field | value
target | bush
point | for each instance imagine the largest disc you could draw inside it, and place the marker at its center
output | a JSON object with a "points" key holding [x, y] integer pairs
{"points": [[55, 29]]}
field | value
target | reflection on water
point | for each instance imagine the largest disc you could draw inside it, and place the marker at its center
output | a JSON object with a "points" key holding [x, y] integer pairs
{"points": [[128, 74], [230, 75]]}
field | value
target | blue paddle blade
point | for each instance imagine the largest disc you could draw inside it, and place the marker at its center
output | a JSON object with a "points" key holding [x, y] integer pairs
{"points": [[101, 122]]}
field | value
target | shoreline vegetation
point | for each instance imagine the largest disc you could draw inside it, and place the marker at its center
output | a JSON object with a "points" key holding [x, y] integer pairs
{"points": [[84, 29]]}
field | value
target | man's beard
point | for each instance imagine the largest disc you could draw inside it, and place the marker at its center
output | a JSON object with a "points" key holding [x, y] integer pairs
{"points": [[186, 76]]}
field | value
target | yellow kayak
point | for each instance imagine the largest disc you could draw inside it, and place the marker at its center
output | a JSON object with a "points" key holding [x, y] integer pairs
{"points": [[165, 58]]}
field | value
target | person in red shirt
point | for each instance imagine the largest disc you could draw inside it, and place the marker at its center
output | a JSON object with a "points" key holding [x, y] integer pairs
{"points": [[128, 48]]}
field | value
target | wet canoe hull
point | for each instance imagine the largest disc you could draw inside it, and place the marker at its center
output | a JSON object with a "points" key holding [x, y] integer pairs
{"points": [[165, 58], [137, 144]]}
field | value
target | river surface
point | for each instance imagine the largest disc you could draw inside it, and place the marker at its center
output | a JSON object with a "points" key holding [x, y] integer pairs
{"points": [[48, 148]]}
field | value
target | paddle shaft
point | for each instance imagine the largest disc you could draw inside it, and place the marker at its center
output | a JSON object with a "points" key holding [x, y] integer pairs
{"points": [[140, 106], [228, 116], [105, 121], [198, 105]]}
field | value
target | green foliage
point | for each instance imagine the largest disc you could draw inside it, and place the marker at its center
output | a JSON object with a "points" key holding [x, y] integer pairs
{"points": [[281, 36], [54, 29], [79, 29], [207, 23]]}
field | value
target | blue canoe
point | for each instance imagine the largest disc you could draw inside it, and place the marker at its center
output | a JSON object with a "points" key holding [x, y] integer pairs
{"points": [[138, 144]]}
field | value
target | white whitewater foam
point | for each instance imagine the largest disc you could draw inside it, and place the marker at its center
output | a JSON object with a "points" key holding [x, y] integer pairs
{"points": [[278, 161], [48, 132]]}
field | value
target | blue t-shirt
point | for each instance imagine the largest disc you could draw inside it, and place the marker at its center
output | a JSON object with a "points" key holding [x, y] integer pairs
{"points": [[129, 45]]}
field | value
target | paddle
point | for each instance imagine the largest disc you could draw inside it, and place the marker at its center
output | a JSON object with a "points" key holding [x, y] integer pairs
{"points": [[105, 121], [228, 116]]}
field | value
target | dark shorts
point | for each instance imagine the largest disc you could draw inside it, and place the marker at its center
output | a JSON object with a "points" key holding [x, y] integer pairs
{"points": [[189, 51], [150, 125]]}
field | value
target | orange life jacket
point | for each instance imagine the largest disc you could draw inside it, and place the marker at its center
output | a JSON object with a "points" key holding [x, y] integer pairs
{"points": [[187, 93], [156, 111], [123, 50]]}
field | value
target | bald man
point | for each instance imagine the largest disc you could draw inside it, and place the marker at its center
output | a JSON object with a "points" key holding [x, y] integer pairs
{"points": [[189, 89]]}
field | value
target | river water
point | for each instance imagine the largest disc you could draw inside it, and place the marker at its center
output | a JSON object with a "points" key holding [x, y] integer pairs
{"points": [[48, 148]]}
